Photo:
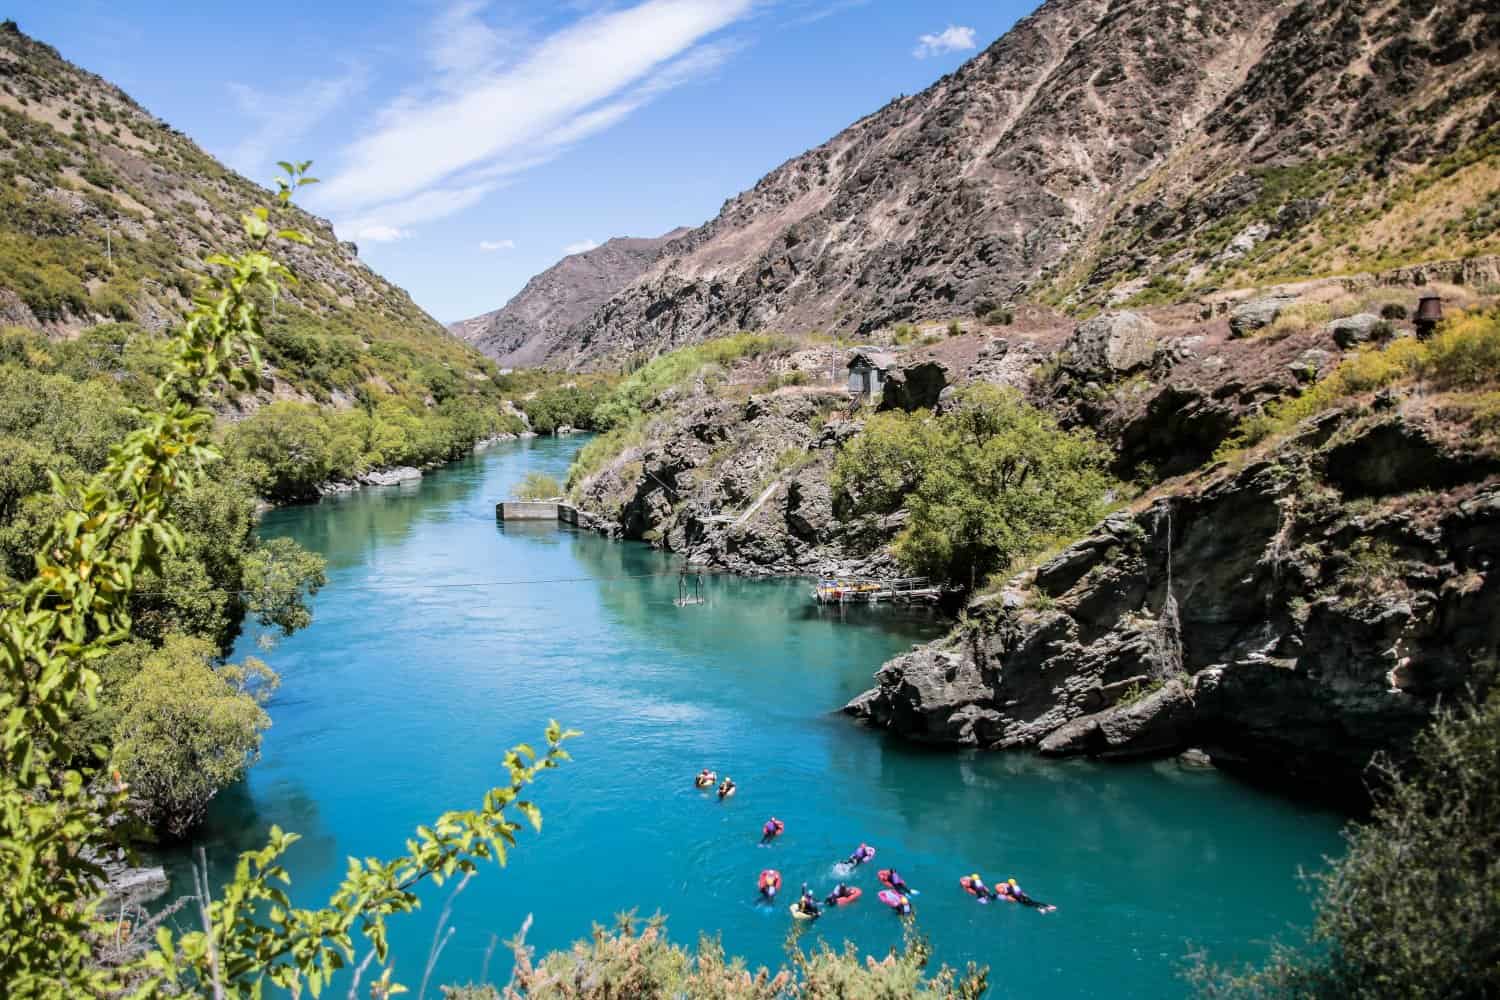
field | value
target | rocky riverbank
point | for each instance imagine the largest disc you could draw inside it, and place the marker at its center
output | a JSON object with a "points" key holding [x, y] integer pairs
{"points": [[1289, 612], [1291, 616]]}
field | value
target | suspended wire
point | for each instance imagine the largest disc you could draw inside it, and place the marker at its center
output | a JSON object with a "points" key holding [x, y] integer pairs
{"points": [[421, 587]]}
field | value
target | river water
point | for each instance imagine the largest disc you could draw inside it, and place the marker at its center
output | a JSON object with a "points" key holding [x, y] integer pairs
{"points": [[428, 657]]}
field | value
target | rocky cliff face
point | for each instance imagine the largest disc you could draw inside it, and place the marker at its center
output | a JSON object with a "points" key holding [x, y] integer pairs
{"points": [[529, 329], [1106, 152], [1290, 617]]}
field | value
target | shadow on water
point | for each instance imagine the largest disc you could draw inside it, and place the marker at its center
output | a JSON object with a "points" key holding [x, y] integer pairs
{"points": [[236, 823]]}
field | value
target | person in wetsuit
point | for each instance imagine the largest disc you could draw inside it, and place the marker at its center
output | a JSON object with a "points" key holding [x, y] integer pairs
{"points": [[809, 903], [839, 892]]}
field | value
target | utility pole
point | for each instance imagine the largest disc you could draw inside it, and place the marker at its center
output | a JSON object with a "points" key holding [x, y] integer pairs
{"points": [[109, 249]]}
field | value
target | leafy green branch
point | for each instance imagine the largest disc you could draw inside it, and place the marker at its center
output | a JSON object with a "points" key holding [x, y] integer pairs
{"points": [[57, 822]]}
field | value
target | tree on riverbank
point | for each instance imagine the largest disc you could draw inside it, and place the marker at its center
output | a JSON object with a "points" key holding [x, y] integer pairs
{"points": [[988, 480]]}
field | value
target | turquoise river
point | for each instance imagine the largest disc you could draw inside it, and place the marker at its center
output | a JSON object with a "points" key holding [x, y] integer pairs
{"points": [[444, 637]]}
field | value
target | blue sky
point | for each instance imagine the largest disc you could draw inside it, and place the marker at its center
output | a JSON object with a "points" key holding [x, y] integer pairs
{"points": [[466, 145]]}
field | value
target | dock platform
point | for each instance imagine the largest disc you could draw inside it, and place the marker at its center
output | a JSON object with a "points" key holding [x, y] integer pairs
{"points": [[895, 590], [542, 510]]}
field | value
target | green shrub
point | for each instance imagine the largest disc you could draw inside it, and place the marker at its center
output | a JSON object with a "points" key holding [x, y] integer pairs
{"points": [[1465, 354], [999, 317], [565, 406], [538, 486], [984, 483], [187, 729], [637, 960], [1393, 311]]}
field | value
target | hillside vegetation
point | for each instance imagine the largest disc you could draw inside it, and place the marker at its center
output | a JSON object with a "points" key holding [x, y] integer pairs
{"points": [[106, 216], [107, 219]]}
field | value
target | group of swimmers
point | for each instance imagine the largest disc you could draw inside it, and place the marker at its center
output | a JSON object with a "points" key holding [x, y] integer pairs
{"points": [[896, 894], [706, 779]]}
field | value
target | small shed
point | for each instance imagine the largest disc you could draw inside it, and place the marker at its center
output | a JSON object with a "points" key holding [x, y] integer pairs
{"points": [[868, 369]]}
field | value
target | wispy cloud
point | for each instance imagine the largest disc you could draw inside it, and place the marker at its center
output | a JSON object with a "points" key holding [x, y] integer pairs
{"points": [[279, 121], [377, 233], [423, 207], [582, 246], [812, 11], [488, 246], [950, 39], [435, 152]]}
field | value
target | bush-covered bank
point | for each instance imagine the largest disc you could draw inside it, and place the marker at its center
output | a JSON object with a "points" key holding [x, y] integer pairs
{"points": [[61, 813], [175, 723], [636, 959], [289, 450]]}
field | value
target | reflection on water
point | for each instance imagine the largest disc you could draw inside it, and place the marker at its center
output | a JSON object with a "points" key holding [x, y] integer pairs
{"points": [[444, 637]]}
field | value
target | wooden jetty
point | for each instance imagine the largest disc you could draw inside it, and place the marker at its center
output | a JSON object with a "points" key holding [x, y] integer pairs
{"points": [[896, 590]]}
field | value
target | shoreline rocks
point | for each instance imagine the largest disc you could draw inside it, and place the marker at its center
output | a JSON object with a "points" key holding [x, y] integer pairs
{"points": [[1269, 618]]}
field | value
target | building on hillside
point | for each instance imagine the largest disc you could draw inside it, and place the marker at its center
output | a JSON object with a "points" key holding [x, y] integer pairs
{"points": [[868, 369]]}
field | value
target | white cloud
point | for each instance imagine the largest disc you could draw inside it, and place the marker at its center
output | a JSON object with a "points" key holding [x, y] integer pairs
{"points": [[433, 150], [582, 246], [490, 245], [424, 207], [377, 233], [462, 43], [281, 120], [950, 39]]}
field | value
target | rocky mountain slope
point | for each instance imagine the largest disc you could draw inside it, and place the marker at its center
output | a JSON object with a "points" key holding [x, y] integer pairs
{"points": [[1100, 152], [526, 330], [106, 212]]}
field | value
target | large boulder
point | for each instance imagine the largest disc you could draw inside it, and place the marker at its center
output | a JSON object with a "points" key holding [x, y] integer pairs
{"points": [[915, 387], [1111, 345], [1351, 330], [1257, 314], [1153, 725]]}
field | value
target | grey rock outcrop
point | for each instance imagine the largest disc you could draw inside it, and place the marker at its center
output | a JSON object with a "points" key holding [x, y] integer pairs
{"points": [[1257, 314], [916, 386], [1286, 618], [1112, 344], [742, 486], [1353, 330]]}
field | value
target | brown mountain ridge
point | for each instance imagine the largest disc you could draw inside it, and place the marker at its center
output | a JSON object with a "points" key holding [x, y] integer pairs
{"points": [[1103, 152]]}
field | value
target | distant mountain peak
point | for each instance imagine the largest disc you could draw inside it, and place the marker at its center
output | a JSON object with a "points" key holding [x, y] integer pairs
{"points": [[526, 330]]}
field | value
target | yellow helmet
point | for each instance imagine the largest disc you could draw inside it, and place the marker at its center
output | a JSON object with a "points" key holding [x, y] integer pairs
{"points": [[975, 878], [1011, 881]]}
